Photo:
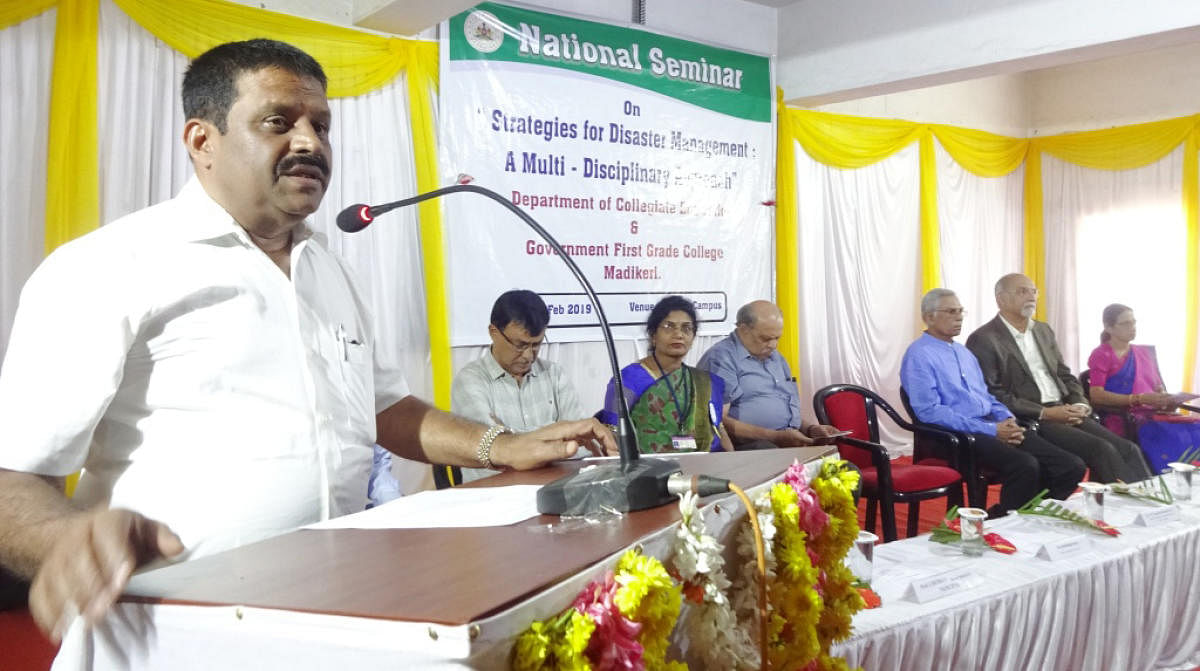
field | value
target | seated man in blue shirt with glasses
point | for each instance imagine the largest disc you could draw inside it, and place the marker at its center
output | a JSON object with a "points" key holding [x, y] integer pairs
{"points": [[946, 387], [763, 403]]}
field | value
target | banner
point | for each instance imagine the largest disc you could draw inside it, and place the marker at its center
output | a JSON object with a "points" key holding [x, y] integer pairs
{"points": [[648, 157]]}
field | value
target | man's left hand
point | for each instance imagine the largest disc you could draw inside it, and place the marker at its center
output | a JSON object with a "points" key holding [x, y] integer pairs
{"points": [[557, 441], [822, 434]]}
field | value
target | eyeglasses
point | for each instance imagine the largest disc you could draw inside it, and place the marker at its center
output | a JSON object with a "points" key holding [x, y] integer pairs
{"points": [[524, 346], [686, 328], [954, 312], [1024, 291]]}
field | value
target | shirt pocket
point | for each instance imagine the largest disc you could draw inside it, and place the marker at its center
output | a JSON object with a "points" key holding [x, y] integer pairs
{"points": [[357, 387]]}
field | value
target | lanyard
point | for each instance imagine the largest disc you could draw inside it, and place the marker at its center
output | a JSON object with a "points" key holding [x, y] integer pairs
{"points": [[687, 401]]}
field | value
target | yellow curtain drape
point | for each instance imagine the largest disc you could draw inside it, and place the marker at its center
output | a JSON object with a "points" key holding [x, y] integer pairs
{"points": [[13, 12], [1191, 210], [422, 80], [1035, 239], [931, 243], [1120, 148], [354, 61], [854, 142], [787, 262], [73, 159], [982, 153], [847, 141]]}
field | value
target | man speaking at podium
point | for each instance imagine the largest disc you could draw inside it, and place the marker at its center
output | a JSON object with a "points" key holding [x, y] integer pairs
{"points": [[208, 363]]}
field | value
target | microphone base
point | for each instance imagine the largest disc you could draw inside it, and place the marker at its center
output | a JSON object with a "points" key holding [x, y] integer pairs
{"points": [[626, 487]]}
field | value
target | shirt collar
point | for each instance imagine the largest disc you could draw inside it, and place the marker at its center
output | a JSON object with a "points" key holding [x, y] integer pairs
{"points": [[739, 348], [204, 219], [1016, 333], [936, 341], [496, 371]]}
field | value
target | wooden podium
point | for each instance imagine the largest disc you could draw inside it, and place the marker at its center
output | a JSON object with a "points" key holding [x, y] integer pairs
{"points": [[441, 598], [448, 576]]}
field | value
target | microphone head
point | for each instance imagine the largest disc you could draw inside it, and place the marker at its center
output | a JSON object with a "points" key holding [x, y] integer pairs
{"points": [[355, 218]]}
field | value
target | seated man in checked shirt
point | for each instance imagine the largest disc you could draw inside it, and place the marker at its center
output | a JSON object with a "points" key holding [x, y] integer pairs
{"points": [[509, 384]]}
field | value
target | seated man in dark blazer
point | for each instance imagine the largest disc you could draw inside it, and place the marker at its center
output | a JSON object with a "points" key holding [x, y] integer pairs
{"points": [[1025, 371]]}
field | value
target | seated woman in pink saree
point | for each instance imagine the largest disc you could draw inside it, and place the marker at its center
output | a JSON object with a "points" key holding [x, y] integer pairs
{"points": [[1125, 378]]}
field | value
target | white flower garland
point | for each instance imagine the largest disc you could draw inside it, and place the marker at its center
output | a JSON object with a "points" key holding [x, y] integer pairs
{"points": [[745, 587], [718, 642]]}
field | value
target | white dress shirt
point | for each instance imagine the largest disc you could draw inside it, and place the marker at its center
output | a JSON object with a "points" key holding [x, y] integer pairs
{"points": [[1037, 364], [193, 382]]}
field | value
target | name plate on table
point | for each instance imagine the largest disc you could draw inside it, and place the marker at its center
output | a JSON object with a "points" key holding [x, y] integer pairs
{"points": [[940, 585], [1153, 518], [1062, 549]]}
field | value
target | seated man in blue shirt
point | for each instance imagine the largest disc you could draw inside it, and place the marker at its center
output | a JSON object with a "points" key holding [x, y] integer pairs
{"points": [[945, 387], [762, 401]]}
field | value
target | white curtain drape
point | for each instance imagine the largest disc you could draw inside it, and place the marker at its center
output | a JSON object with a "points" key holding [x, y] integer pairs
{"points": [[140, 116], [981, 224], [26, 57], [1116, 237], [859, 285]]}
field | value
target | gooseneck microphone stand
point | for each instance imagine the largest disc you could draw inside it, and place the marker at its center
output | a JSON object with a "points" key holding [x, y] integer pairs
{"points": [[635, 483]]}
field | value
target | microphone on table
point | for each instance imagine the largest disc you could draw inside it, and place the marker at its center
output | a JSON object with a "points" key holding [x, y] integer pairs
{"points": [[635, 483]]}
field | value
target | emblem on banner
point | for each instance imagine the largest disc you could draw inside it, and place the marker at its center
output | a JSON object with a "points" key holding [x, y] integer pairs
{"points": [[483, 31]]}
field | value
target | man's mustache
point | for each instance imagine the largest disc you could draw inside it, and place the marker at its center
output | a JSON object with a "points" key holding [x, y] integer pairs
{"points": [[314, 160]]}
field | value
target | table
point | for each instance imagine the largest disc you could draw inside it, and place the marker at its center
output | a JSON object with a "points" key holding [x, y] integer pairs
{"points": [[1130, 602], [386, 599]]}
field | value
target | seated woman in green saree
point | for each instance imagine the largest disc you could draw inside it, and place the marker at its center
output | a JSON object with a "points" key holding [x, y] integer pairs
{"points": [[674, 407]]}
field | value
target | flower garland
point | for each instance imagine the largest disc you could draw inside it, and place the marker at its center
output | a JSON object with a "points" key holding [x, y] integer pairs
{"points": [[698, 562], [622, 620], [835, 487], [812, 593]]}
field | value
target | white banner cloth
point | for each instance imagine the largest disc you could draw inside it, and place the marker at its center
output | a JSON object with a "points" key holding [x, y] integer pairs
{"points": [[648, 157]]}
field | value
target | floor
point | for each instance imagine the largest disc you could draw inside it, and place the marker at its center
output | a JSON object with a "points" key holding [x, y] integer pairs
{"points": [[931, 512]]}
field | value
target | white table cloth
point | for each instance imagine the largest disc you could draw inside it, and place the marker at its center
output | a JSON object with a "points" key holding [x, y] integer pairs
{"points": [[1129, 602]]}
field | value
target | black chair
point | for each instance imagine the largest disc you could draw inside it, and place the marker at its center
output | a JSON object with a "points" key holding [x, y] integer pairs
{"points": [[853, 408], [959, 455]]}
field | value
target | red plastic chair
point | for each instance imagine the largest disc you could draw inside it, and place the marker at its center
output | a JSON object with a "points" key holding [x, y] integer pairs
{"points": [[22, 646], [852, 408]]}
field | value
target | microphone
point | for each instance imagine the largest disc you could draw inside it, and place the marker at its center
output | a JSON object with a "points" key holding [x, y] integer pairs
{"points": [[636, 483], [358, 216], [355, 218]]}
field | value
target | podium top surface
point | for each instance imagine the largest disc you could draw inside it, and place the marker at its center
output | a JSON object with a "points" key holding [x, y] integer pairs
{"points": [[439, 575]]}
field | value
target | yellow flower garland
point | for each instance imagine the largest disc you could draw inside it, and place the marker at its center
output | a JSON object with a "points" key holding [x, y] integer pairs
{"points": [[646, 595], [835, 487], [649, 596], [796, 606]]}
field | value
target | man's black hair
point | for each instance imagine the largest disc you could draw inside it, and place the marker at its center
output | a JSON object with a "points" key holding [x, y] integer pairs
{"points": [[210, 83], [523, 307], [665, 307]]}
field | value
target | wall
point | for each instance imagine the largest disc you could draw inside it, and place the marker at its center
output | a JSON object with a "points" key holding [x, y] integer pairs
{"points": [[328, 11], [1148, 86], [998, 104], [834, 51]]}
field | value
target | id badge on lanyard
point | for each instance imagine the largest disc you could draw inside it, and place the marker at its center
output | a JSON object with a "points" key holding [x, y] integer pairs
{"points": [[683, 443]]}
